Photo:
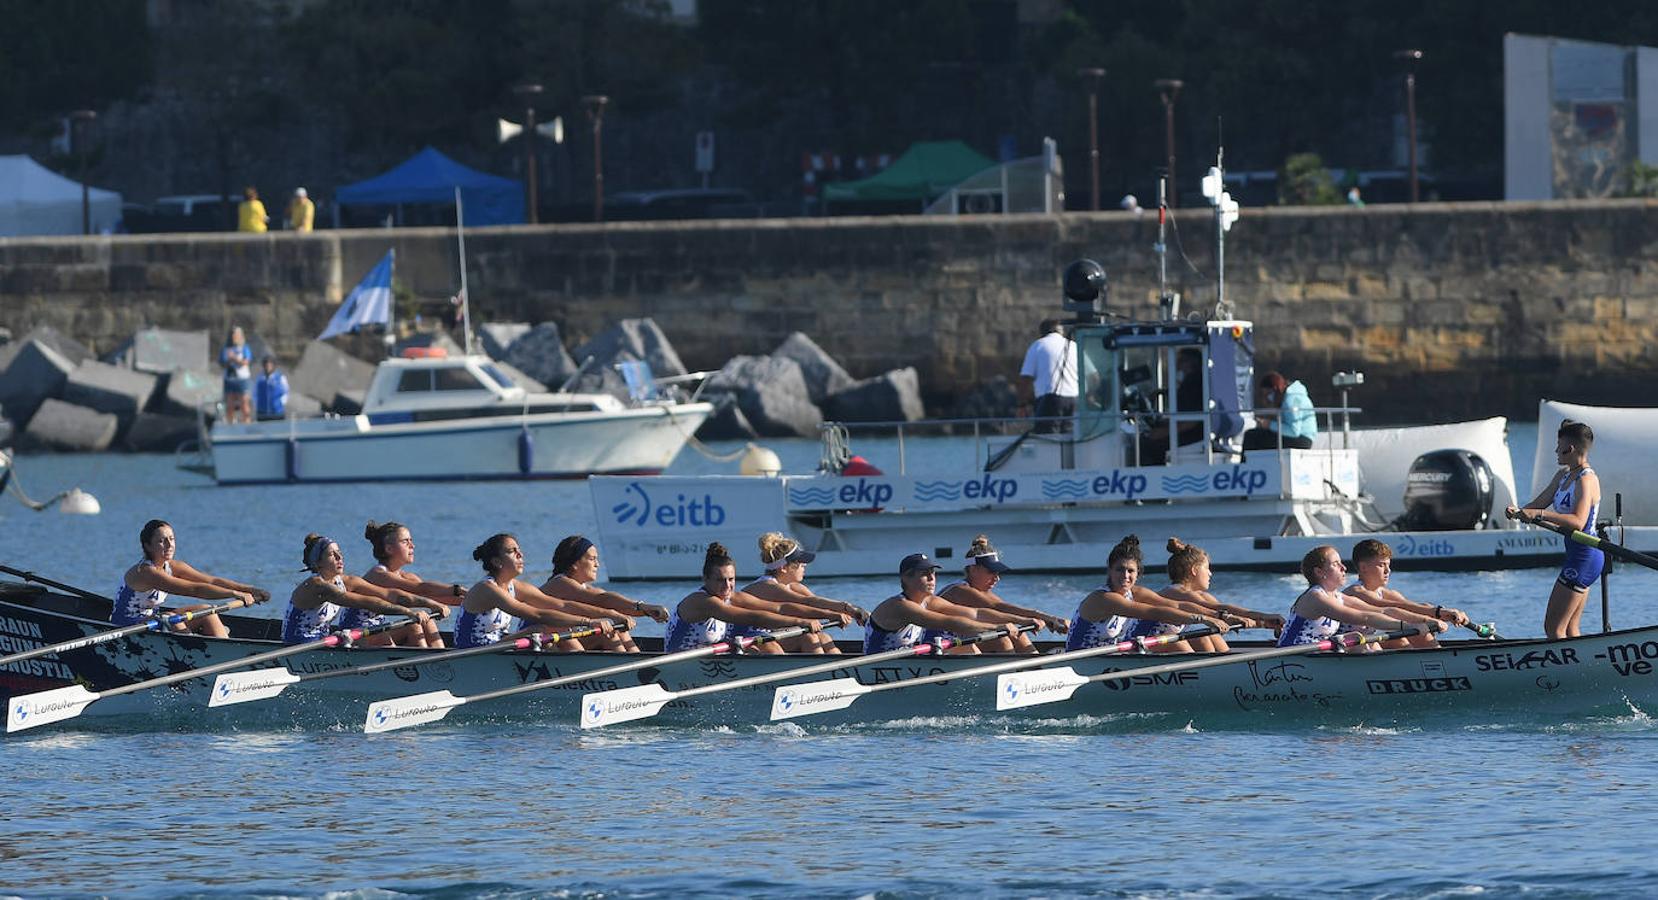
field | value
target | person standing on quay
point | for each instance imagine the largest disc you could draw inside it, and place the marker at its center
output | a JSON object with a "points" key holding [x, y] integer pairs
{"points": [[1049, 374], [270, 391], [302, 213], [250, 213], [235, 357]]}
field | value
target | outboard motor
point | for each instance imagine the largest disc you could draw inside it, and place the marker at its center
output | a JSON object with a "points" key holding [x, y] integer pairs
{"points": [[1448, 490]]}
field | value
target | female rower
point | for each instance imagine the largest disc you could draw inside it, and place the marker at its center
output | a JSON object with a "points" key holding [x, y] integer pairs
{"points": [[784, 582], [903, 619], [1572, 499], [1374, 562], [330, 599], [976, 590], [1122, 609], [493, 607], [145, 586], [1322, 610], [1189, 576], [393, 551], [707, 614], [575, 568]]}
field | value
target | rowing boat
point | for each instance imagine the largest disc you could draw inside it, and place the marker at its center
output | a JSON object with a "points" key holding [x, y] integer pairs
{"points": [[1595, 674]]}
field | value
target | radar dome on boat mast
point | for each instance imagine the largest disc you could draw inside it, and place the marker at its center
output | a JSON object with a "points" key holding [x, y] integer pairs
{"points": [[1085, 284]]}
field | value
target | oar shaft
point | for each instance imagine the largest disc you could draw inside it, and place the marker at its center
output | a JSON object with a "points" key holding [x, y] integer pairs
{"points": [[683, 655], [1346, 639], [522, 643], [102, 637], [334, 639], [30, 576], [1589, 540]]}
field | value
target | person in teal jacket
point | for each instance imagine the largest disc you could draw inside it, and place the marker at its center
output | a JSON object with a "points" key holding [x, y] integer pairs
{"points": [[1296, 419]]}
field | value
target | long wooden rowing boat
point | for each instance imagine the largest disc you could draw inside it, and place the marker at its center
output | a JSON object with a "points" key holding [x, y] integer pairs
{"points": [[1494, 680]]}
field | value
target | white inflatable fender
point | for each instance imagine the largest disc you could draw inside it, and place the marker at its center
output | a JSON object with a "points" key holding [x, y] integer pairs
{"points": [[1385, 455], [1621, 456]]}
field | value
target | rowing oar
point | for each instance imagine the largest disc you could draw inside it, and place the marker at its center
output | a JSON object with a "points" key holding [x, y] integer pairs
{"points": [[1053, 685], [795, 700], [419, 709], [155, 624], [263, 684], [627, 704], [46, 707], [1487, 630], [1589, 540]]}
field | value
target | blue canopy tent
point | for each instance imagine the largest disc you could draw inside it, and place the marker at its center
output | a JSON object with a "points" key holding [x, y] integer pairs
{"points": [[431, 177]]}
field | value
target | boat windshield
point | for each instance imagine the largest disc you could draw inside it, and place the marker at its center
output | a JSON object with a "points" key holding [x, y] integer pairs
{"points": [[499, 377]]}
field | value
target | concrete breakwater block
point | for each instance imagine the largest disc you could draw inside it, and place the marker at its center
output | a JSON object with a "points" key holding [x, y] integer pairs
{"points": [[824, 376], [993, 399], [159, 351], [892, 397], [183, 390], [301, 406], [497, 338], [111, 389], [634, 339], [539, 353], [158, 433], [66, 346], [325, 371], [348, 402], [64, 426], [771, 392], [727, 423], [36, 373]]}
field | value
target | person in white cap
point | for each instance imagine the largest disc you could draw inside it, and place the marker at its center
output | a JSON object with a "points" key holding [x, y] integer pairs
{"points": [[902, 619], [302, 213]]}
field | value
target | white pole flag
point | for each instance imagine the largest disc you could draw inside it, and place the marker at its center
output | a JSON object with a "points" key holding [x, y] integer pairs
{"points": [[369, 303]]}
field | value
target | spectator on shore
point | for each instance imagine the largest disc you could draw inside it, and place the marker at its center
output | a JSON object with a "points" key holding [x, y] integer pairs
{"points": [[1296, 420], [302, 213], [1049, 375], [270, 392], [250, 213], [236, 358]]}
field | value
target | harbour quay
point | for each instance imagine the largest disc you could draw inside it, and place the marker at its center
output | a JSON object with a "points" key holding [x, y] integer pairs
{"points": [[1452, 310]]}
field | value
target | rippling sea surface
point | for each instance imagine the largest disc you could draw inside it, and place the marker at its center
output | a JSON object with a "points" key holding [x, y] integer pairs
{"points": [[1129, 807]]}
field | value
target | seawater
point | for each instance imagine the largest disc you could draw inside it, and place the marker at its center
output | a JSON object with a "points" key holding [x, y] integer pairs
{"points": [[1122, 807]]}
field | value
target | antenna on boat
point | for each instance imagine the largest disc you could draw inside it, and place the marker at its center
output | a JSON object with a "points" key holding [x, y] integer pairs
{"points": [[1168, 300], [1226, 212], [466, 301]]}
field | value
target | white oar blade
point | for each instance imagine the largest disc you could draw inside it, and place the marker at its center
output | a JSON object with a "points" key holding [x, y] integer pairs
{"points": [[625, 705], [795, 700], [406, 712], [241, 687], [46, 707], [1016, 690]]}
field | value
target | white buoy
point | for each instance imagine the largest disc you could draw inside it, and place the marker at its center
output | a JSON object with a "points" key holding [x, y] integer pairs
{"points": [[760, 461], [77, 502]]}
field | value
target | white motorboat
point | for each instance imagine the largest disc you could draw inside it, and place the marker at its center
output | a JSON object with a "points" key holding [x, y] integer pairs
{"points": [[1059, 501], [436, 417]]}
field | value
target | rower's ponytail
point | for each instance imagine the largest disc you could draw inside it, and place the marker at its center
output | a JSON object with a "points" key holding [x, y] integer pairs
{"points": [[1127, 548], [378, 534], [715, 559], [486, 552], [1184, 560]]}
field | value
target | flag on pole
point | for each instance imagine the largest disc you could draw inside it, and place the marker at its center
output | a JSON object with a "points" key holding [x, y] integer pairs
{"points": [[369, 303]]}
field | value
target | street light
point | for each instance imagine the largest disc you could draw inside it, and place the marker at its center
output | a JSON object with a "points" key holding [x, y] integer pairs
{"points": [[528, 92], [1169, 88], [1410, 58], [1094, 75], [595, 104], [81, 120]]}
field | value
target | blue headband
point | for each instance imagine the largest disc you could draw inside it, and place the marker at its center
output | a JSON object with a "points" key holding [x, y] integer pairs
{"points": [[580, 549], [313, 554]]}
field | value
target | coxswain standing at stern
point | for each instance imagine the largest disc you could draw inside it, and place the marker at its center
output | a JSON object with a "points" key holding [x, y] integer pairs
{"points": [[1572, 499]]}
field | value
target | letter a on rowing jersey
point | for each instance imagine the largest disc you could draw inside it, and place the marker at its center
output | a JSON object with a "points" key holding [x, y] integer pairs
{"points": [[46, 707], [1016, 690], [624, 705]]}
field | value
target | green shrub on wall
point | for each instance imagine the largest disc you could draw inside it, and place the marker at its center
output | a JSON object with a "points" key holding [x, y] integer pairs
{"points": [[1305, 182]]}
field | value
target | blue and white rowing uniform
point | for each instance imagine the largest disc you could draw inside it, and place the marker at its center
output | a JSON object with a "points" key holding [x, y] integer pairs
{"points": [[1303, 630], [301, 626], [132, 607], [485, 628], [929, 635], [1086, 633], [880, 640], [733, 630], [1583, 563], [353, 617], [689, 634]]}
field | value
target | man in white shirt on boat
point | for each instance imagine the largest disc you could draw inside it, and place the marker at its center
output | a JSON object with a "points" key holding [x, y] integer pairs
{"points": [[1049, 374]]}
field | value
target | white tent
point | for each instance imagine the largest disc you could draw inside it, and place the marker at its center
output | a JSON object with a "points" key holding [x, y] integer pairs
{"points": [[36, 200]]}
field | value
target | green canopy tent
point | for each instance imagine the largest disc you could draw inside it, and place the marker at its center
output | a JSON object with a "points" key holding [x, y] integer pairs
{"points": [[926, 170]]}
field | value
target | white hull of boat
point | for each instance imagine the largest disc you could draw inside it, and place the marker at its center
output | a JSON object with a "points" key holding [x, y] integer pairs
{"points": [[1474, 680], [552, 445]]}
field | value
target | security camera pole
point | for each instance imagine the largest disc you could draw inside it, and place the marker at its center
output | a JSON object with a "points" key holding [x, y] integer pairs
{"points": [[80, 123], [528, 92]]}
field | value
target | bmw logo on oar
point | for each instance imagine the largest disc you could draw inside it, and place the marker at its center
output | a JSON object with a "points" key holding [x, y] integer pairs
{"points": [[595, 710], [379, 717], [224, 689], [785, 700], [20, 712], [1012, 689]]}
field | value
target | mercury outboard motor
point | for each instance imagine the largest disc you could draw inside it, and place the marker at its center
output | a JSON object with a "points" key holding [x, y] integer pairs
{"points": [[1448, 490]]}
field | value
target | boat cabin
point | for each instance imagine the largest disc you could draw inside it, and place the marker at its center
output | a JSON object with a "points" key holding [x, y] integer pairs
{"points": [[430, 388]]}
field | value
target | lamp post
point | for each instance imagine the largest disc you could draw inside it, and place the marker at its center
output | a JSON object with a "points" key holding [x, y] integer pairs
{"points": [[81, 120], [529, 92], [1094, 75], [595, 104], [1410, 58], [1169, 89]]}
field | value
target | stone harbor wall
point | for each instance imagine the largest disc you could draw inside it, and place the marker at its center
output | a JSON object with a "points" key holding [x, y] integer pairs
{"points": [[1451, 310]]}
